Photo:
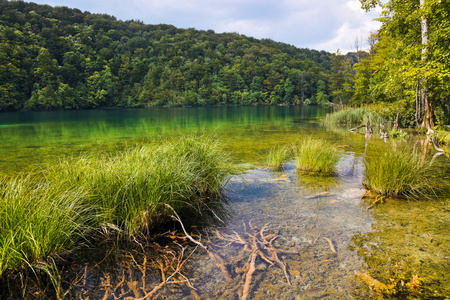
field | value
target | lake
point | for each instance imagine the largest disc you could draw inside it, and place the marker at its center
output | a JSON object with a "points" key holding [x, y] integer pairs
{"points": [[315, 231]]}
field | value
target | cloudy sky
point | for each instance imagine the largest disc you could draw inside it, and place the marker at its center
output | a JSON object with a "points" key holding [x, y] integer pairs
{"points": [[315, 24]]}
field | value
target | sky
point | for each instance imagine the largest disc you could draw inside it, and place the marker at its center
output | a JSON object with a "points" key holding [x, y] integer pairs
{"points": [[315, 24]]}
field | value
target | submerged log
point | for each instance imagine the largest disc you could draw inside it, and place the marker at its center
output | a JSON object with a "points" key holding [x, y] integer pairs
{"points": [[330, 243], [434, 142], [357, 127]]}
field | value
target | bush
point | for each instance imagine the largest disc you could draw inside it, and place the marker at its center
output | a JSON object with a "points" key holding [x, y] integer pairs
{"points": [[398, 133]]}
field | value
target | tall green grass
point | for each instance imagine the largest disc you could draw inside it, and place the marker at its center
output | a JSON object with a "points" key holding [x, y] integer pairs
{"points": [[132, 188], [310, 154], [315, 155], [357, 116], [38, 219], [277, 157], [399, 173], [128, 192]]}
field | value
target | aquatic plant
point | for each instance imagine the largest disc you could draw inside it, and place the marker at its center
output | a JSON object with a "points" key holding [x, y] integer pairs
{"points": [[398, 172], [277, 156], [38, 219], [315, 155], [131, 188]]}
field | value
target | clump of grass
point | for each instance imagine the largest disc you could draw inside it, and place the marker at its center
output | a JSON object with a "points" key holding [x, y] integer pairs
{"points": [[315, 155], [38, 219], [277, 156], [132, 188], [398, 173], [356, 116]]}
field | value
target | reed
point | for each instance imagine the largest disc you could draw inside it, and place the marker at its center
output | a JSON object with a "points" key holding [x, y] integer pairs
{"points": [[399, 172], [129, 193], [132, 188], [357, 116], [315, 155], [277, 156], [38, 219]]}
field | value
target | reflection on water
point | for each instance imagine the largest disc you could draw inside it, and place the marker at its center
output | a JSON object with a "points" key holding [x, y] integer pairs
{"points": [[31, 138]]}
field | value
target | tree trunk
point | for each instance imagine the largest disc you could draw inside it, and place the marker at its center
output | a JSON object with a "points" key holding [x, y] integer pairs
{"points": [[417, 105], [427, 120]]}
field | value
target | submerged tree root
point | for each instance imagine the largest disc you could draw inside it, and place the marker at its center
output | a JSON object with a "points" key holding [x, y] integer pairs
{"points": [[255, 245]]}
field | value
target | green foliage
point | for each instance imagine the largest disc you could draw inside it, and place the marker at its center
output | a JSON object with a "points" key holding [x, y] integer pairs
{"points": [[60, 58], [342, 78], [398, 172], [442, 136], [398, 133], [315, 155]]}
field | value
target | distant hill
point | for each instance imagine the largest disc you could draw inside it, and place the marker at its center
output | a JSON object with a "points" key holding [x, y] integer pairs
{"points": [[55, 58]]}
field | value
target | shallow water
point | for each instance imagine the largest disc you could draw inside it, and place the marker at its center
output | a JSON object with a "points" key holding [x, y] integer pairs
{"points": [[323, 227]]}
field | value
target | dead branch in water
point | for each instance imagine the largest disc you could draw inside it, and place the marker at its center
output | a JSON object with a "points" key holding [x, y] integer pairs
{"points": [[331, 244], [357, 127]]}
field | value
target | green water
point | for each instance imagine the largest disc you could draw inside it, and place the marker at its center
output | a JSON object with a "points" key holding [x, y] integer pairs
{"points": [[33, 138], [392, 242]]}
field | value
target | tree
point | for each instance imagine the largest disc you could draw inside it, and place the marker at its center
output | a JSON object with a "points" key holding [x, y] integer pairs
{"points": [[321, 96], [411, 42], [341, 78]]}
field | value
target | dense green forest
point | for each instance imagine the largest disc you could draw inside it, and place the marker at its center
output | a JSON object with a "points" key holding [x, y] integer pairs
{"points": [[60, 58]]}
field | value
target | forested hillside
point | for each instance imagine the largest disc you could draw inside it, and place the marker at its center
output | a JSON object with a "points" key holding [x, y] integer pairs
{"points": [[59, 58]]}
